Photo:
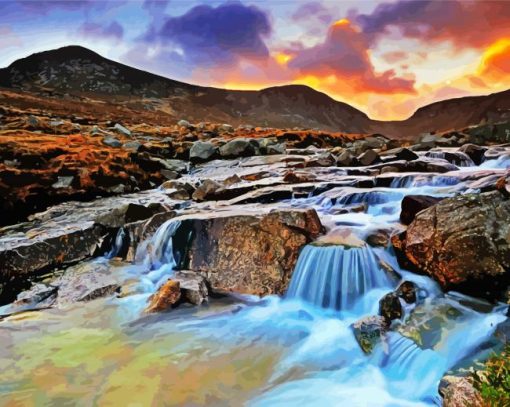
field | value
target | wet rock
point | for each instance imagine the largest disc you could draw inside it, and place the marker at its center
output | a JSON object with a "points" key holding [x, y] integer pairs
{"points": [[167, 297], [369, 332], [459, 392], [132, 145], [206, 190], [412, 204], [112, 142], [119, 128], [225, 128], [247, 253], [323, 160], [369, 157], [402, 153], [178, 166], [237, 148], [184, 123], [389, 168], [202, 151], [295, 177], [345, 159], [274, 149], [462, 242], [474, 151], [407, 290], [193, 286], [390, 307], [379, 238], [169, 175]]}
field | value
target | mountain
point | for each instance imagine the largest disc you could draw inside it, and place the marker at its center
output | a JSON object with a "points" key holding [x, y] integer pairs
{"points": [[88, 82]]}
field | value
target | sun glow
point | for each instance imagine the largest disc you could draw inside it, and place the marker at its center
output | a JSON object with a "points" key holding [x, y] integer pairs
{"points": [[282, 58], [342, 22]]}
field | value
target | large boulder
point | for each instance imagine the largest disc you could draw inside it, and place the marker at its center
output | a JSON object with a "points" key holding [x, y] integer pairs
{"points": [[253, 254], [462, 242], [474, 151], [369, 332], [202, 151], [369, 157], [459, 392], [237, 148], [412, 204]]}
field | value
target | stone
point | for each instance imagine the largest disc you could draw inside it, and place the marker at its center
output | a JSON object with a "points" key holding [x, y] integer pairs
{"points": [[202, 151], [226, 128], [407, 290], [369, 157], [132, 145], [237, 148], [295, 177], [413, 204], [474, 151], [206, 189], [178, 166], [194, 288], [251, 254], [345, 159], [462, 242], [184, 123], [402, 153], [459, 392], [119, 128], [112, 142], [275, 149], [369, 332], [322, 160], [63, 182], [165, 298], [389, 168], [390, 307]]}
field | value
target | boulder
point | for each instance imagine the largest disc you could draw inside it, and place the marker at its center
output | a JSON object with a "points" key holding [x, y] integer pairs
{"points": [[322, 160], [369, 332], [474, 151], [407, 290], [390, 307], [202, 151], [253, 254], [459, 392], [274, 149], [369, 157], [237, 148], [462, 242], [206, 190], [112, 142], [345, 159], [412, 204], [402, 153], [119, 128], [194, 288], [165, 298]]}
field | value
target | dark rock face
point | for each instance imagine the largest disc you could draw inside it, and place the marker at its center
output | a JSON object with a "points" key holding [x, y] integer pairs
{"points": [[412, 204], [390, 307], [474, 152], [402, 153], [407, 291], [247, 254], [462, 241]]}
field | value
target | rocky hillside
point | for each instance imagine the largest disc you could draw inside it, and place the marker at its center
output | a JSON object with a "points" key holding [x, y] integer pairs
{"points": [[85, 80]]}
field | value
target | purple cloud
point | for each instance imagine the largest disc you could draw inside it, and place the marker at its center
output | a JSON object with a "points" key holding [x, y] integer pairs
{"points": [[220, 35], [313, 10], [113, 31]]}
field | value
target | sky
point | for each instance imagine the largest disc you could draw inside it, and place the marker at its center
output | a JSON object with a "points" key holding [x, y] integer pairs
{"points": [[386, 58]]}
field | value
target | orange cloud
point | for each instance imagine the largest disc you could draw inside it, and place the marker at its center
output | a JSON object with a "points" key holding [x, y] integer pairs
{"points": [[495, 63]]}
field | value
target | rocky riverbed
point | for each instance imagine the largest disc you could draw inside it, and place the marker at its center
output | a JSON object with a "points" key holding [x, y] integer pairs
{"points": [[252, 266]]}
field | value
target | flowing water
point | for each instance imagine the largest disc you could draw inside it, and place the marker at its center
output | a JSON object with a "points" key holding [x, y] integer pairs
{"points": [[295, 350]]}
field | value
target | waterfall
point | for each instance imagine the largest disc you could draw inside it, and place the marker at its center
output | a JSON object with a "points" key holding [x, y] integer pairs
{"points": [[412, 181], [118, 244], [336, 277]]}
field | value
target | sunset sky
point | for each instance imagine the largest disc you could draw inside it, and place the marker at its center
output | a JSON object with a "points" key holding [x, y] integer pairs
{"points": [[386, 58]]}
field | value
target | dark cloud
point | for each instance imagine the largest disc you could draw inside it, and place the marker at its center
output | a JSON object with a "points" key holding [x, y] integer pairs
{"points": [[112, 31], [221, 35], [464, 23]]}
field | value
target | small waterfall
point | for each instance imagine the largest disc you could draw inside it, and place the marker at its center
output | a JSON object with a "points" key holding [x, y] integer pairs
{"points": [[458, 158], [413, 181], [502, 162], [336, 277], [118, 244]]}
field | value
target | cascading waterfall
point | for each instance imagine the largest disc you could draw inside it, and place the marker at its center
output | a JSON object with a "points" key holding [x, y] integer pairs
{"points": [[336, 277], [412, 181], [118, 244]]}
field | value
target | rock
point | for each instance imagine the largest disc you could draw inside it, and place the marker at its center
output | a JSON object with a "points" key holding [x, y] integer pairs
{"points": [[169, 175], [165, 298], [294, 177], [253, 254], [112, 141], [184, 123], [193, 287], [390, 307], [459, 392], [63, 182], [275, 149], [85, 282], [369, 332], [462, 242], [202, 151], [226, 128], [237, 148], [132, 145], [206, 189], [389, 168], [178, 166], [412, 204], [323, 160], [119, 128], [407, 290], [402, 154], [474, 152], [378, 238], [369, 157], [345, 159]]}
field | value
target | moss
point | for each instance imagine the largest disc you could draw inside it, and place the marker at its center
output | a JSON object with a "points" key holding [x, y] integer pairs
{"points": [[493, 382]]}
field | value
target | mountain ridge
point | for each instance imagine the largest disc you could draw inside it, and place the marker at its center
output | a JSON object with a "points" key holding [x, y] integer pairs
{"points": [[79, 71]]}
